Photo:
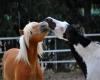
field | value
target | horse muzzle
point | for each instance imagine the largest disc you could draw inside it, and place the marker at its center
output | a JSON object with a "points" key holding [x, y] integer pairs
{"points": [[51, 23], [44, 26]]}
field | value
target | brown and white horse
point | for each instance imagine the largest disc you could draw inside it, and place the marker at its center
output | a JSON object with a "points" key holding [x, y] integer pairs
{"points": [[22, 64]]}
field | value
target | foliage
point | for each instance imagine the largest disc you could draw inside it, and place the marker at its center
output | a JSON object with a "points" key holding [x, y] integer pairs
{"points": [[14, 14]]}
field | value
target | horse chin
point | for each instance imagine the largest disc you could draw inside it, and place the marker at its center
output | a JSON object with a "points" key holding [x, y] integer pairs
{"points": [[61, 37], [45, 30], [39, 37]]}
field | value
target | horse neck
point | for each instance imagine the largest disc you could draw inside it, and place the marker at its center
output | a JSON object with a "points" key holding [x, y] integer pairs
{"points": [[32, 52], [76, 39]]}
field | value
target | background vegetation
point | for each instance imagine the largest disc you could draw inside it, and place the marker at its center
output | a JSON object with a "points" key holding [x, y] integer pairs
{"points": [[14, 14]]}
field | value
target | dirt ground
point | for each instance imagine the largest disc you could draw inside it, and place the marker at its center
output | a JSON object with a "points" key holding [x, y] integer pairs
{"points": [[73, 75]]}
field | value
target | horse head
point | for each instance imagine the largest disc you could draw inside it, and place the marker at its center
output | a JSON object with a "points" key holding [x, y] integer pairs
{"points": [[35, 32], [63, 29]]}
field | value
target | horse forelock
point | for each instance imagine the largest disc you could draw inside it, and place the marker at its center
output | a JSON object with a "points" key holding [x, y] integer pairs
{"points": [[27, 34], [27, 31]]}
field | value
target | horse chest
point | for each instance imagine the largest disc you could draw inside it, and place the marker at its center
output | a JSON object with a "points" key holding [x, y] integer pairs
{"points": [[91, 56], [26, 71]]}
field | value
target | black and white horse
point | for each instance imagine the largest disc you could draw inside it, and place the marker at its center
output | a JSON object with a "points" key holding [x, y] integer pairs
{"points": [[85, 51]]}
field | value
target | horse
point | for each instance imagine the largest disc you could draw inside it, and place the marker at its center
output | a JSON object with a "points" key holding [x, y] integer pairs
{"points": [[85, 51], [23, 63]]}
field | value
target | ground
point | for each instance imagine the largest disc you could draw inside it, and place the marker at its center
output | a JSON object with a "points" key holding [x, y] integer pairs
{"points": [[73, 75]]}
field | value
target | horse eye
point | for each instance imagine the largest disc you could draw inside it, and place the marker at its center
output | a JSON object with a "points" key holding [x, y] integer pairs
{"points": [[30, 32]]}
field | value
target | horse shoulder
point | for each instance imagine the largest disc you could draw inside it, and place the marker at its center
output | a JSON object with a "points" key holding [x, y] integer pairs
{"points": [[9, 62], [22, 71], [10, 53]]}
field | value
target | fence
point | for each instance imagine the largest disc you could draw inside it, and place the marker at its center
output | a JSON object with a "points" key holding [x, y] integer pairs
{"points": [[9, 42]]}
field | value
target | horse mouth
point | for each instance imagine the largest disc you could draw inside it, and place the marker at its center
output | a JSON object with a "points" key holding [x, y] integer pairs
{"points": [[44, 30], [51, 23]]}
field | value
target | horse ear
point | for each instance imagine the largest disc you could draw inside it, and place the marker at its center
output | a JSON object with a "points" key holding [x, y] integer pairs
{"points": [[79, 28], [21, 32]]}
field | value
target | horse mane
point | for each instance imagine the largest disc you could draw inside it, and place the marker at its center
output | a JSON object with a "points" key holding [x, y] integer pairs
{"points": [[24, 43]]}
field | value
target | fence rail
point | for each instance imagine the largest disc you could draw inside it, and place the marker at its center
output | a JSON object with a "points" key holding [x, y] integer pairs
{"points": [[12, 38], [48, 51], [59, 61]]}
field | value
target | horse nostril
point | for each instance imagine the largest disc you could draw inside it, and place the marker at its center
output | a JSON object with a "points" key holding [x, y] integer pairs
{"points": [[43, 26], [51, 23], [48, 20]]}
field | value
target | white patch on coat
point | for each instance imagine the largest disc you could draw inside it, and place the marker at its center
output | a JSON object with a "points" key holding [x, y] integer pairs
{"points": [[91, 56]]}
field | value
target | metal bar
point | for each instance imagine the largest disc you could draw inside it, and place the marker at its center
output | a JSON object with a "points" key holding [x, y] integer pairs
{"points": [[12, 38], [95, 34], [1, 52], [7, 38], [59, 61], [62, 50], [47, 51]]}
